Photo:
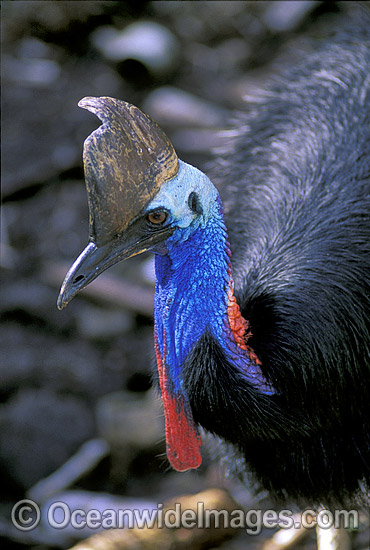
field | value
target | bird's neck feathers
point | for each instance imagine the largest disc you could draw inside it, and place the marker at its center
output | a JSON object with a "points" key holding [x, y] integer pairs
{"points": [[194, 297], [195, 294]]}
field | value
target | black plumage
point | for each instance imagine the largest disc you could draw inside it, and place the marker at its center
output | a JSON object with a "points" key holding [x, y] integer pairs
{"points": [[295, 182]]}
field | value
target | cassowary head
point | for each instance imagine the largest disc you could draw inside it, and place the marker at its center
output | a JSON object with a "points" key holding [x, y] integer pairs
{"points": [[142, 198], [140, 194]]}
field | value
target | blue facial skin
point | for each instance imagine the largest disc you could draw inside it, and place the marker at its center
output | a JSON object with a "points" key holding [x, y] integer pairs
{"points": [[193, 277]]}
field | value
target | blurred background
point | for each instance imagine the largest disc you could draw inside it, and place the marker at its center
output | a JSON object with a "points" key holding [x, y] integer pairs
{"points": [[79, 381]]}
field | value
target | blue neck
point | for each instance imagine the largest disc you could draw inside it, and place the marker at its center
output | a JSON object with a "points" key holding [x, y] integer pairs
{"points": [[192, 297]]}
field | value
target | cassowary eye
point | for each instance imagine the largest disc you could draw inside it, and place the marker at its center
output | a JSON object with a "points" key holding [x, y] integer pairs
{"points": [[157, 218]]}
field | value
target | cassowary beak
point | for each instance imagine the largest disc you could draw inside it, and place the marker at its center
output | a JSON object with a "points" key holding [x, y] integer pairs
{"points": [[126, 160], [94, 259]]}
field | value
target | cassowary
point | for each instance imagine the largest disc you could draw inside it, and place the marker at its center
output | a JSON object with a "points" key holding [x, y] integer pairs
{"points": [[262, 299]]}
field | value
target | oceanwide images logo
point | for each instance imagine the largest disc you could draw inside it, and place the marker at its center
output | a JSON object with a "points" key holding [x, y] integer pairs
{"points": [[27, 515]]}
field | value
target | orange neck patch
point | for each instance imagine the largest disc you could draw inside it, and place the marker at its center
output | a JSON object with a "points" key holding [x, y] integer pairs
{"points": [[239, 326]]}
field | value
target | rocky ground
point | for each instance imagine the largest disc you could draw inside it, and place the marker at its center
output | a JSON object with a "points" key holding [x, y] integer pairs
{"points": [[84, 374]]}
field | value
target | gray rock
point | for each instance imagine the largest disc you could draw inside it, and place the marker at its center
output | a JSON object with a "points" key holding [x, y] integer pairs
{"points": [[40, 430], [146, 41], [286, 16], [169, 105], [126, 419]]}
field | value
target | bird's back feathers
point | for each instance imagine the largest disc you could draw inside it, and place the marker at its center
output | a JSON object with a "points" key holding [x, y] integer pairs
{"points": [[295, 183]]}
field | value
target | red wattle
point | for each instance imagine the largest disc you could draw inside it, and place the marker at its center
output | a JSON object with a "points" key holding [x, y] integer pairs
{"points": [[182, 437]]}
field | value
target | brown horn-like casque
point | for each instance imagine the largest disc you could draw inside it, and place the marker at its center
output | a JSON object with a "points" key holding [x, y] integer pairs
{"points": [[126, 160]]}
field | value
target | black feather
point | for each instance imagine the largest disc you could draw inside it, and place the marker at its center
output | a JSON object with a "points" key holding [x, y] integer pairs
{"points": [[300, 242]]}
